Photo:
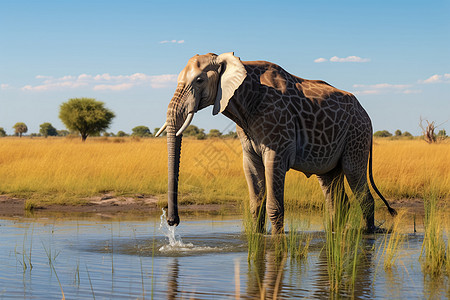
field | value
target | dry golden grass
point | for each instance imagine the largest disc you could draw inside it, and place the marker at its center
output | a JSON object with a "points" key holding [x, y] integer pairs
{"points": [[411, 168], [66, 170]]}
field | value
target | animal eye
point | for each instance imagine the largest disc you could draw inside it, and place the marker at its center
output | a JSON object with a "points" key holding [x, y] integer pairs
{"points": [[199, 80]]}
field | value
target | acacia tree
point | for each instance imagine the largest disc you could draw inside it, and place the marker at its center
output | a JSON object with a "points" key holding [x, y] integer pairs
{"points": [[2, 132], [121, 133], [20, 128], [85, 115], [47, 129], [141, 131], [214, 133]]}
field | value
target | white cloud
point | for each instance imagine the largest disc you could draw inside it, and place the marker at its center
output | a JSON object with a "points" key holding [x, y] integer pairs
{"points": [[384, 88], [342, 60], [162, 81], [43, 77], [103, 82], [412, 91], [4, 86], [320, 60], [66, 82], [172, 42], [349, 59], [445, 78], [113, 87]]}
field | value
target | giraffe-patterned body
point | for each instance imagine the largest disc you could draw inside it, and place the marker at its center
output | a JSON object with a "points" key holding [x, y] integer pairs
{"points": [[293, 123], [284, 122]]}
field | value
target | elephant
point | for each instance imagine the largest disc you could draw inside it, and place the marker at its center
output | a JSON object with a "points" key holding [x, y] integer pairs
{"points": [[283, 122]]}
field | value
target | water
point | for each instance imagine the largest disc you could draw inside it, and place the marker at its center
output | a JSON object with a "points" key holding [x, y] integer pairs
{"points": [[176, 247], [204, 258]]}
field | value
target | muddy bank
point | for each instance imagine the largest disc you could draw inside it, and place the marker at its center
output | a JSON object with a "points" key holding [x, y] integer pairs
{"points": [[141, 205], [106, 204]]}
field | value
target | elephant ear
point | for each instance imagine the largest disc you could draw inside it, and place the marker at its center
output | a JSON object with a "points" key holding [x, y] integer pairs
{"points": [[232, 76]]}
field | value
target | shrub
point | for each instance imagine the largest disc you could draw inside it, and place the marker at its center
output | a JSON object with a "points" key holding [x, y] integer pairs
{"points": [[214, 133], [407, 134], [382, 133], [141, 131], [121, 133]]}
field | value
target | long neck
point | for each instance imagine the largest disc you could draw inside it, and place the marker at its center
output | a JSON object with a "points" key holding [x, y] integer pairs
{"points": [[246, 100]]}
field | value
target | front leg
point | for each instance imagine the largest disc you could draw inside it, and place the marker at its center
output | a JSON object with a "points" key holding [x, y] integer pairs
{"points": [[254, 173], [275, 173]]}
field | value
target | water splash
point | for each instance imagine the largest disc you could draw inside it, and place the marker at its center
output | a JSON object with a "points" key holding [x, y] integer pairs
{"points": [[175, 242]]}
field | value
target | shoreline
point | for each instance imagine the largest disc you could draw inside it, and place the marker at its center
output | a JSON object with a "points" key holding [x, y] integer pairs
{"points": [[105, 204], [112, 205]]}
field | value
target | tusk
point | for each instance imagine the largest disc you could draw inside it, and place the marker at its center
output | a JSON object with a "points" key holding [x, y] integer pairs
{"points": [[161, 130], [186, 123]]}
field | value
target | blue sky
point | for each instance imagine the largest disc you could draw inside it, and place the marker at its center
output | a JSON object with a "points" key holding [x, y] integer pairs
{"points": [[394, 55]]}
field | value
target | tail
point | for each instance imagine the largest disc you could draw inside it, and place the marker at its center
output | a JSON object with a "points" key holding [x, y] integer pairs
{"points": [[392, 211]]}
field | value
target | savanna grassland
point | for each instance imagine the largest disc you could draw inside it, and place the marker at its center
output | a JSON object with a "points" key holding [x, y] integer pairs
{"points": [[67, 171]]}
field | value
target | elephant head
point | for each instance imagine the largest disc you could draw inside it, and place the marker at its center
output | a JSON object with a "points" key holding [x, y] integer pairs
{"points": [[206, 80]]}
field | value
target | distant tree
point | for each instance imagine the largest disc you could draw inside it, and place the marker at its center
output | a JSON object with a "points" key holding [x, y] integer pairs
{"points": [[121, 133], [85, 115], [231, 134], [442, 134], [2, 132], [47, 129], [201, 135], [398, 132], [407, 134], [109, 134], [96, 134], [428, 131], [141, 131], [62, 132], [192, 130], [213, 133], [20, 128], [382, 133]]}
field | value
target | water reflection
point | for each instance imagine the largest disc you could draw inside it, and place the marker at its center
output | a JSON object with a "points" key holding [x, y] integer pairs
{"points": [[172, 284], [273, 274], [434, 286], [362, 288], [265, 275]]}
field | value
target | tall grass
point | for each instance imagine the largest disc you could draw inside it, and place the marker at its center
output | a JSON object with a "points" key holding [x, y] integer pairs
{"points": [[392, 241], [26, 254], [256, 241], [433, 247], [64, 171], [343, 233], [297, 242]]}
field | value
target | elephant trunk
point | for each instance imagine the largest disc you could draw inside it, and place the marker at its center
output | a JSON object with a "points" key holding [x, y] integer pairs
{"points": [[173, 150], [175, 117]]}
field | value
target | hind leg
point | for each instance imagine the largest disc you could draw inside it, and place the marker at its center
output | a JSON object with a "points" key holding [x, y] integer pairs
{"points": [[355, 170], [332, 184]]}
